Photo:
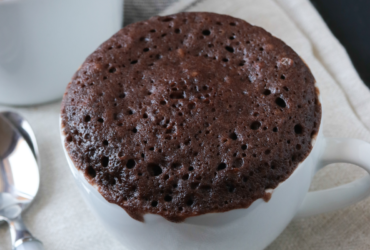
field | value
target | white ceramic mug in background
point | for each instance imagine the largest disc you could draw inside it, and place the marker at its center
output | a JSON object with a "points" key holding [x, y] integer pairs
{"points": [[43, 42], [252, 228]]}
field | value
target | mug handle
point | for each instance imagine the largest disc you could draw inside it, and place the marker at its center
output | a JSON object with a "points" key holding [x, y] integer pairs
{"points": [[339, 150]]}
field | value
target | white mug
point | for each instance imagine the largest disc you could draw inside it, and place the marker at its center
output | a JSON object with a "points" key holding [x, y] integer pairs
{"points": [[252, 228], [43, 42]]}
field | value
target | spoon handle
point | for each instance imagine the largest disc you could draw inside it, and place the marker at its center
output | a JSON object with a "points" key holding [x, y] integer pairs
{"points": [[22, 239]]}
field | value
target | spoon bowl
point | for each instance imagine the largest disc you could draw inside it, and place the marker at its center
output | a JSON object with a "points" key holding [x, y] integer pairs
{"points": [[24, 128], [19, 177]]}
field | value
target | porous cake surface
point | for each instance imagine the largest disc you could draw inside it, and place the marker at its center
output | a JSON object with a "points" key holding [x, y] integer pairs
{"points": [[189, 114]]}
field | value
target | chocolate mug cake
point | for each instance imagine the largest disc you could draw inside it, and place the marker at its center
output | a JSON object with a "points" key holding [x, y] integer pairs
{"points": [[190, 114]]}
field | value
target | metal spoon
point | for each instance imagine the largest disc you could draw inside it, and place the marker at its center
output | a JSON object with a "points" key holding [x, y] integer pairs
{"points": [[24, 129], [19, 177]]}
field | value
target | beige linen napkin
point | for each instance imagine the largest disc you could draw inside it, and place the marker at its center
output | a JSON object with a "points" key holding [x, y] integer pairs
{"points": [[62, 221]]}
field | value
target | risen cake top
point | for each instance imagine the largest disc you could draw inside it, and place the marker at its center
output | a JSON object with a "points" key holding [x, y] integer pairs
{"points": [[189, 114]]}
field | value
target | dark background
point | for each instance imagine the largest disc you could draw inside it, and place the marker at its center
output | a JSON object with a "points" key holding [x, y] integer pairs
{"points": [[349, 20]]}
